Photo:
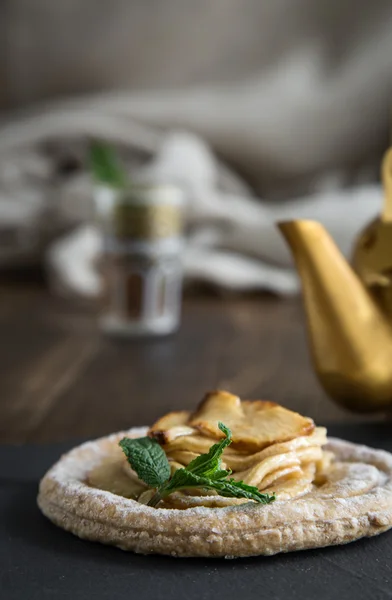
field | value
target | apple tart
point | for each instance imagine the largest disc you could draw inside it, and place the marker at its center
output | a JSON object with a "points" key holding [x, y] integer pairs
{"points": [[252, 478]]}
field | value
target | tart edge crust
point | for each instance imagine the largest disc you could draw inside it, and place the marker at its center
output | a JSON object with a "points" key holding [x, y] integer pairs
{"points": [[236, 531]]}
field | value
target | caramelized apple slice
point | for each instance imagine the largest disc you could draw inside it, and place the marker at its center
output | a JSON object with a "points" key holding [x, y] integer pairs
{"points": [[286, 472], [254, 424], [294, 484], [197, 443], [171, 426], [256, 475]]}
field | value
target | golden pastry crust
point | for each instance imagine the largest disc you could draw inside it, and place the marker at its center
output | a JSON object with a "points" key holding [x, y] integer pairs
{"points": [[354, 501]]}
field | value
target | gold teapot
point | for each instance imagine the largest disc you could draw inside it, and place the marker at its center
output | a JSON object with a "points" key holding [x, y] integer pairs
{"points": [[349, 313]]}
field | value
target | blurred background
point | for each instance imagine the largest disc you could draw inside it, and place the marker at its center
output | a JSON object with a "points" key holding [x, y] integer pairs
{"points": [[257, 112]]}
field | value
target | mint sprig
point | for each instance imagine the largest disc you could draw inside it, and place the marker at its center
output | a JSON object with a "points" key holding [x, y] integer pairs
{"points": [[105, 166], [149, 461]]}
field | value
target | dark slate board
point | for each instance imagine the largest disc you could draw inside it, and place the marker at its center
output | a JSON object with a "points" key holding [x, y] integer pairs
{"points": [[39, 561]]}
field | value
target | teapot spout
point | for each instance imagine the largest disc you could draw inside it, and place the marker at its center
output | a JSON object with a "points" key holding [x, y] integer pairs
{"points": [[351, 340]]}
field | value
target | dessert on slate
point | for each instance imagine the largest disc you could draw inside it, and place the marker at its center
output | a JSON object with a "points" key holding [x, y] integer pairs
{"points": [[234, 478]]}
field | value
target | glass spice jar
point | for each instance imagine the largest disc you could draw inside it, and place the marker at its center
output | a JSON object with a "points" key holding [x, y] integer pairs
{"points": [[141, 261]]}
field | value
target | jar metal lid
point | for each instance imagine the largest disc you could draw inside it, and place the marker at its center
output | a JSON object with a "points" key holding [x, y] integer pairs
{"points": [[140, 213]]}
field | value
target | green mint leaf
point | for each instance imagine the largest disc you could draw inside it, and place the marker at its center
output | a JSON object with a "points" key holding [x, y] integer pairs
{"points": [[220, 474], [207, 465], [147, 459], [105, 166], [239, 489], [182, 479], [225, 430]]}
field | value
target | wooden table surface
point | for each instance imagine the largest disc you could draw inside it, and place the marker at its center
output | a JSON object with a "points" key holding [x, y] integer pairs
{"points": [[62, 379]]}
